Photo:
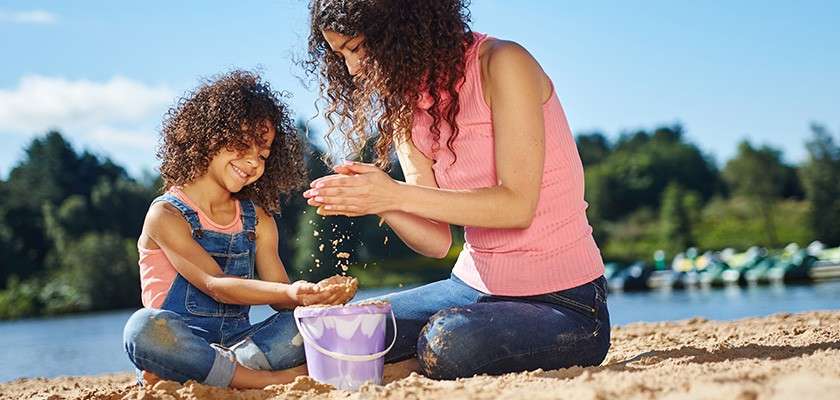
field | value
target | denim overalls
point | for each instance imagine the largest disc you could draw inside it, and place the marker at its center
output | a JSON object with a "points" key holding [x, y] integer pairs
{"points": [[195, 337]]}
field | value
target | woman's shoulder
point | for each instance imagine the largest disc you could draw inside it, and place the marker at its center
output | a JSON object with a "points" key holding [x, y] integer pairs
{"points": [[508, 64], [501, 54]]}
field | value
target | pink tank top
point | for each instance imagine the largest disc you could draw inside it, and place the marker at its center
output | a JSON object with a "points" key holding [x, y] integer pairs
{"points": [[157, 272], [557, 251]]}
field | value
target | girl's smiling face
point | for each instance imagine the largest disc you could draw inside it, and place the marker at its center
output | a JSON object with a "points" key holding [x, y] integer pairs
{"points": [[234, 170], [349, 48]]}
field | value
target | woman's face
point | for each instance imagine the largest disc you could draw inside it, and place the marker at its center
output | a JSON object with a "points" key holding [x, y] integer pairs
{"points": [[349, 48]]}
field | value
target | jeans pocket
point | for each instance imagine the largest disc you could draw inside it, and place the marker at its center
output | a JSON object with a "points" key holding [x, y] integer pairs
{"points": [[198, 303], [587, 299], [235, 264], [576, 305]]}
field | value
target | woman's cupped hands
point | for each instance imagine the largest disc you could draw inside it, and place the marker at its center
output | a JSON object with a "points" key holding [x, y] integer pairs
{"points": [[354, 190]]}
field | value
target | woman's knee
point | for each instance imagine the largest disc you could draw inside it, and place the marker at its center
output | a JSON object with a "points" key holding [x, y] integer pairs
{"points": [[444, 348]]}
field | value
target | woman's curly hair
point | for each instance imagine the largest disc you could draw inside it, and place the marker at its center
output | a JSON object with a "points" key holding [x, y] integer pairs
{"points": [[411, 47], [226, 112]]}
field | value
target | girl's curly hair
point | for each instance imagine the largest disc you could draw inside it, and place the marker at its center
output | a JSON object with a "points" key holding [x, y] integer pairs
{"points": [[411, 47], [226, 112]]}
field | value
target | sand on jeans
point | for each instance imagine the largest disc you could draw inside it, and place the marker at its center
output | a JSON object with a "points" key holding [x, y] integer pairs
{"points": [[784, 356]]}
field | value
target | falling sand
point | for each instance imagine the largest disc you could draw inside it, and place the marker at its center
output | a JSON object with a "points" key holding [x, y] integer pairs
{"points": [[785, 356]]}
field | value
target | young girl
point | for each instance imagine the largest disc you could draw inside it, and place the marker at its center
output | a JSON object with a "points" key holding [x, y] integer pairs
{"points": [[483, 142], [229, 151]]}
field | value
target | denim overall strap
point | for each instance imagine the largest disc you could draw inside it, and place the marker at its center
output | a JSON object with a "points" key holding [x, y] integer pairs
{"points": [[189, 214], [249, 218]]}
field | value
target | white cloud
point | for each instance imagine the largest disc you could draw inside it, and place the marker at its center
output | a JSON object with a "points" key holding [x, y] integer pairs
{"points": [[116, 118], [28, 17], [40, 103], [135, 139]]}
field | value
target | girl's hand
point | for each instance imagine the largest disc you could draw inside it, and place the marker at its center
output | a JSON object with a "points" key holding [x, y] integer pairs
{"points": [[358, 189], [342, 287], [302, 292], [330, 291]]}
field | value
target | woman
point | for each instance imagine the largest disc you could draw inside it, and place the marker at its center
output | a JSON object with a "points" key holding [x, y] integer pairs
{"points": [[483, 142]]}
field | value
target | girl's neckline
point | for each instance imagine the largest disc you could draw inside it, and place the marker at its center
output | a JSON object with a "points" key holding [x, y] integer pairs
{"points": [[186, 199]]}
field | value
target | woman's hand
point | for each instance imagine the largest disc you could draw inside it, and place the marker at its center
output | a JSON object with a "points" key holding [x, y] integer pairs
{"points": [[357, 189]]}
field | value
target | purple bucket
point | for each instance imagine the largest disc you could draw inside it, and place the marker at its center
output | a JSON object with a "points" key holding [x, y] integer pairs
{"points": [[345, 345]]}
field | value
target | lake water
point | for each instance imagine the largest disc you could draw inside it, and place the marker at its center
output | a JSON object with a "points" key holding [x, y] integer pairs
{"points": [[92, 343]]}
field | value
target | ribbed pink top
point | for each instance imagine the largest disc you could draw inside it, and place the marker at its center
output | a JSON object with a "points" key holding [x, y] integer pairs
{"points": [[157, 272], [557, 251]]}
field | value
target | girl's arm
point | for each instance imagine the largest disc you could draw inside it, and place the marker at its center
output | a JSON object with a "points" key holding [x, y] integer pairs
{"points": [[166, 227], [515, 85], [269, 266]]}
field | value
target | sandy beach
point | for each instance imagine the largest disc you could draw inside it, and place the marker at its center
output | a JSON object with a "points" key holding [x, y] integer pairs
{"points": [[783, 356]]}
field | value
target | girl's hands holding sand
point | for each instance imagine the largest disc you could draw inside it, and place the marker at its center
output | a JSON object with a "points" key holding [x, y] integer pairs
{"points": [[342, 287], [357, 189], [331, 291]]}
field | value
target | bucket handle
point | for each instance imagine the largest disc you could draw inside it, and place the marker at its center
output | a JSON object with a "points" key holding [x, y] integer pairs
{"points": [[346, 357]]}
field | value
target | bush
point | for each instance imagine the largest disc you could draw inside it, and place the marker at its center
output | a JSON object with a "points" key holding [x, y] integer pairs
{"points": [[20, 299], [98, 271], [736, 223]]}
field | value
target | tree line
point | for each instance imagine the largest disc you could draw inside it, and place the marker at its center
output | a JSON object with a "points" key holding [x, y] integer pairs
{"points": [[69, 220]]}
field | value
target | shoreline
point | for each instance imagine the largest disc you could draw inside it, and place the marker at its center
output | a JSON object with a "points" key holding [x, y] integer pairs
{"points": [[778, 356]]}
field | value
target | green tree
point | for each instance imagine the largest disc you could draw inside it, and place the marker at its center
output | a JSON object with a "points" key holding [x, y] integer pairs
{"points": [[677, 217], [50, 172], [758, 174], [119, 206], [821, 178], [98, 271], [639, 169], [593, 148]]}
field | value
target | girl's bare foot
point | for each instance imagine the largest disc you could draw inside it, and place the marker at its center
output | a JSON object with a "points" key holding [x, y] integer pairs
{"points": [[244, 378]]}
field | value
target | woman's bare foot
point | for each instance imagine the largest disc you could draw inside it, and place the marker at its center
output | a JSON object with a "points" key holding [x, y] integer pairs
{"points": [[399, 370], [150, 379]]}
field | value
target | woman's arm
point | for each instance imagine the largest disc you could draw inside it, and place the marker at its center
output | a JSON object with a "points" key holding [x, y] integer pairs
{"points": [[166, 227], [515, 85], [425, 236], [269, 266]]}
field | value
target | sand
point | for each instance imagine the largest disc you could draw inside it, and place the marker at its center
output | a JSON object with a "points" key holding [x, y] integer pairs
{"points": [[785, 356]]}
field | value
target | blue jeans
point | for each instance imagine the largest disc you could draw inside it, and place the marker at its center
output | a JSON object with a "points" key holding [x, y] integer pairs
{"points": [[180, 348], [454, 330], [457, 331]]}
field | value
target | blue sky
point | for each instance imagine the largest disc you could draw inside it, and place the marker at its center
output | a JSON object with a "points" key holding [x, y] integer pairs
{"points": [[104, 72]]}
